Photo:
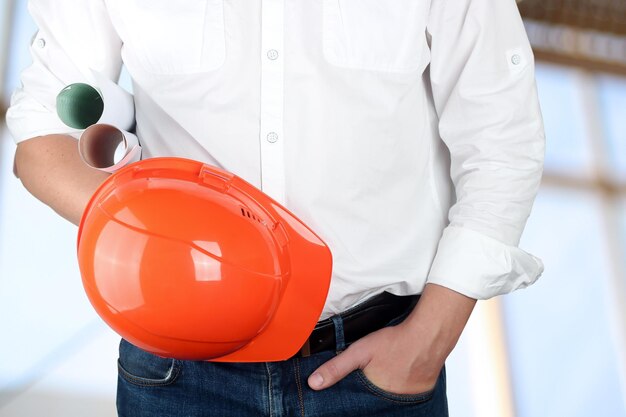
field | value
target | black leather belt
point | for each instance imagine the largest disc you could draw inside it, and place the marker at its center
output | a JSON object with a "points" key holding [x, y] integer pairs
{"points": [[358, 321]]}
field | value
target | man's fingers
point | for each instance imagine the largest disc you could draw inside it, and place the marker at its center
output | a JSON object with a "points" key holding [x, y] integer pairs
{"points": [[336, 369]]}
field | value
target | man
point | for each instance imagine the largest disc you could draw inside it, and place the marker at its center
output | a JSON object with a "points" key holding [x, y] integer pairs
{"points": [[406, 133]]}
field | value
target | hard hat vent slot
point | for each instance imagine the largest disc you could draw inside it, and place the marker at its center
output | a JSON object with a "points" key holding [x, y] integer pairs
{"points": [[246, 213]]}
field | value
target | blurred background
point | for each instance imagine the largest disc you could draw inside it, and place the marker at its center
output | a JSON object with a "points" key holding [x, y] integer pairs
{"points": [[557, 348]]}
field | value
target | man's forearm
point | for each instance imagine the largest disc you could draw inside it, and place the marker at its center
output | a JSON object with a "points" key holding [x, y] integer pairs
{"points": [[51, 169], [438, 320]]}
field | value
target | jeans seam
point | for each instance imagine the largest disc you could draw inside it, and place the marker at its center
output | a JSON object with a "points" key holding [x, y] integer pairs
{"points": [[269, 388], [299, 385]]}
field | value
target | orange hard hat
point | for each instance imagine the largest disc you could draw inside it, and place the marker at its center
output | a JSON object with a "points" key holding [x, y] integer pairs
{"points": [[186, 260]]}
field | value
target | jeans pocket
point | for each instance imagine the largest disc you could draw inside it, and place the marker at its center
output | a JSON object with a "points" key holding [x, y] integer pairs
{"points": [[141, 368], [408, 399]]}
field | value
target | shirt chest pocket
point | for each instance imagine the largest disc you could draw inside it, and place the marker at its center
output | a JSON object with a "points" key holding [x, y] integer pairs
{"points": [[376, 35], [166, 37]]}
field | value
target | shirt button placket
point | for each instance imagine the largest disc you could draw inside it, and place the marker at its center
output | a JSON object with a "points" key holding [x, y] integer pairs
{"points": [[271, 135]]}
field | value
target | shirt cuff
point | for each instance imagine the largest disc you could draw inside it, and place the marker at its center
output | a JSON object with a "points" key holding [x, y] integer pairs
{"points": [[480, 266]]}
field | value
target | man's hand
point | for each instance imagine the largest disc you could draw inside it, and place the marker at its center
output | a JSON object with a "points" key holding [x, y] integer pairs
{"points": [[407, 358], [388, 358]]}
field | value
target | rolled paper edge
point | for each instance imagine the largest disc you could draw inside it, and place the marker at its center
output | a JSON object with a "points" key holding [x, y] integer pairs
{"points": [[132, 155], [132, 150]]}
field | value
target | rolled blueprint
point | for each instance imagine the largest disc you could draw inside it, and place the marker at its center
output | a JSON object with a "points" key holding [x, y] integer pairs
{"points": [[79, 105], [107, 148], [106, 112]]}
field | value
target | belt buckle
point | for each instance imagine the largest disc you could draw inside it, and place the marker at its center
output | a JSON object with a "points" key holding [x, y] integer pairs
{"points": [[305, 350]]}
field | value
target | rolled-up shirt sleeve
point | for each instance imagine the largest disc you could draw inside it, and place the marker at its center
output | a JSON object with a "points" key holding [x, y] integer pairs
{"points": [[483, 85], [74, 38]]}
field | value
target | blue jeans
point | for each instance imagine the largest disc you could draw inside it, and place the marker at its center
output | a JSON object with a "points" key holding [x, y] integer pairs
{"points": [[150, 386]]}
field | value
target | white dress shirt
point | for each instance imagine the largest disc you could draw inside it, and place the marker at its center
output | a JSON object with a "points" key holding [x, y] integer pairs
{"points": [[406, 133]]}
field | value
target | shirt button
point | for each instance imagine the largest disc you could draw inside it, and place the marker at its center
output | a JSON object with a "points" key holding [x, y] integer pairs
{"points": [[272, 137], [41, 42], [272, 54], [516, 59]]}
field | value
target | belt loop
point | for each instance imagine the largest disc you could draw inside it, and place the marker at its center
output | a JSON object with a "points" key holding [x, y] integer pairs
{"points": [[340, 343]]}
